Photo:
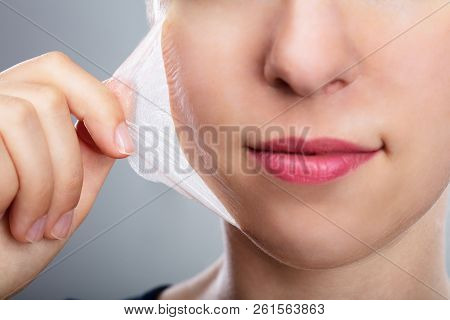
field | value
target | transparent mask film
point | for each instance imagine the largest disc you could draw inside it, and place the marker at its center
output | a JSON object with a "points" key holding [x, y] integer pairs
{"points": [[211, 164], [150, 86]]}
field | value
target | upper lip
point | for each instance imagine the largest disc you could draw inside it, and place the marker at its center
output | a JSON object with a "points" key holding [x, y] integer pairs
{"points": [[318, 146]]}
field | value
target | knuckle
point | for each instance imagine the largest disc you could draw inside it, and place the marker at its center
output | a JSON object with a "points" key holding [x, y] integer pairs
{"points": [[55, 58], [54, 98], [21, 111]]}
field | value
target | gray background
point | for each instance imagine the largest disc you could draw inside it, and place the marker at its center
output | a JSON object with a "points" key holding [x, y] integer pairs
{"points": [[165, 242]]}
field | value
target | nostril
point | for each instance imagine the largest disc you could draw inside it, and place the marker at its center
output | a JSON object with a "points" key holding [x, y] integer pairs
{"points": [[274, 78], [328, 89], [283, 86], [334, 86], [280, 83]]}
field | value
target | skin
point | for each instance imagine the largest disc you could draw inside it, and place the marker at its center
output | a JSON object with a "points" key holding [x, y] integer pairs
{"points": [[295, 242], [252, 60], [69, 164]]}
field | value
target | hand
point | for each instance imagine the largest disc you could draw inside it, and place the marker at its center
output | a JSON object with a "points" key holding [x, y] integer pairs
{"points": [[51, 172]]}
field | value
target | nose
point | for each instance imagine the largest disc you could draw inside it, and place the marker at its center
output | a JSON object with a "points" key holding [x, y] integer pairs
{"points": [[311, 51]]}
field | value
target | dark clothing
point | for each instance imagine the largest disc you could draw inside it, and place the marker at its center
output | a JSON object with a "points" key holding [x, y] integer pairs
{"points": [[153, 294]]}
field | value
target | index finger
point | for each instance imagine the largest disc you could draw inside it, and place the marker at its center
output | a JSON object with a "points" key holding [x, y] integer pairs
{"points": [[89, 100]]}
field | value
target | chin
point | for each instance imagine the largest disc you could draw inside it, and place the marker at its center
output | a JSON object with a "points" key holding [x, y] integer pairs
{"points": [[300, 245], [307, 239]]}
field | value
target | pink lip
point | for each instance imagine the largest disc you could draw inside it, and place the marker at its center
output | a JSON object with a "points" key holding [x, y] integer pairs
{"points": [[310, 161]]}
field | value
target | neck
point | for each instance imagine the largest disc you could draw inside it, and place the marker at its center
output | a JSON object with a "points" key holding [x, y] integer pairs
{"points": [[412, 267]]}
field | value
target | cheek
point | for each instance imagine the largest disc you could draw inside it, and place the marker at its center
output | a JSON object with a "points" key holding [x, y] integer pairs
{"points": [[410, 83], [419, 105], [221, 67]]}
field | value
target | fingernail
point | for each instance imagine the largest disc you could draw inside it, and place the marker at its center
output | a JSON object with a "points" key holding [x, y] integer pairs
{"points": [[36, 232], [62, 226], [123, 140]]}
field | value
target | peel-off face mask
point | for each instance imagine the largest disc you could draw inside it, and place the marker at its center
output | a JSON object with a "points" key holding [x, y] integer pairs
{"points": [[142, 86]]}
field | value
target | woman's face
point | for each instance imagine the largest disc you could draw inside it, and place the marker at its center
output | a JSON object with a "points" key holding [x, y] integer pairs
{"points": [[316, 71]]}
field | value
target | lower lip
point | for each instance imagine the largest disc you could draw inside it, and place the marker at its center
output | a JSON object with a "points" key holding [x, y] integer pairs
{"points": [[310, 169]]}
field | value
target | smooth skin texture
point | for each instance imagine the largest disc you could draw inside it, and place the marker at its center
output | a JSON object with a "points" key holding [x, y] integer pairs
{"points": [[253, 59], [51, 171], [242, 63]]}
